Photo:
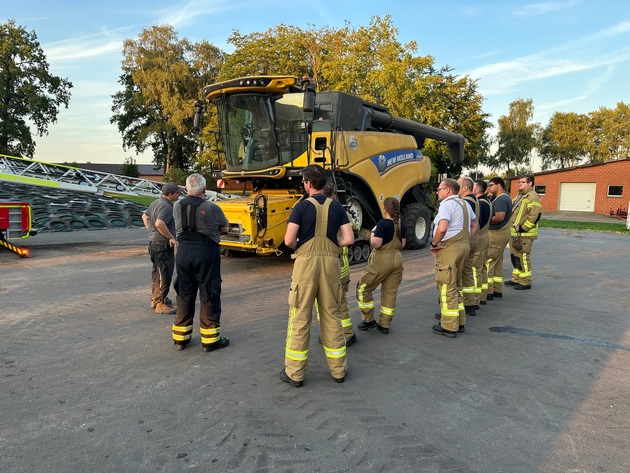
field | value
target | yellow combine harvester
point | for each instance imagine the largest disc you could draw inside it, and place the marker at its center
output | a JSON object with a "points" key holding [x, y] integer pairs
{"points": [[271, 127]]}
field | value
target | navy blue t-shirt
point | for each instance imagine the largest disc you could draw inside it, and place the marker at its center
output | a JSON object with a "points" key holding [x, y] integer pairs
{"points": [[305, 215], [385, 229]]}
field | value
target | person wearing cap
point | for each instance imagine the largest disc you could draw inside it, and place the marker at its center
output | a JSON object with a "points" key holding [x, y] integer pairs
{"points": [[199, 224], [158, 219]]}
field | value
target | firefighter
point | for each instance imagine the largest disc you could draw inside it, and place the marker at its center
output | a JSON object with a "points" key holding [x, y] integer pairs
{"points": [[485, 206], [470, 276], [158, 220], [312, 231], [346, 321], [384, 268], [499, 235], [523, 230], [454, 225], [199, 224]]}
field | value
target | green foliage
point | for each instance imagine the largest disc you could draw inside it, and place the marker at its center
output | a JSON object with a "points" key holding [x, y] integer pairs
{"points": [[29, 94], [609, 133], [162, 76], [130, 168], [564, 141], [517, 137], [594, 226], [178, 175]]}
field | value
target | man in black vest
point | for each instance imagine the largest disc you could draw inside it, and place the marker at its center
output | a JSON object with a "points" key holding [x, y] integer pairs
{"points": [[198, 261]]}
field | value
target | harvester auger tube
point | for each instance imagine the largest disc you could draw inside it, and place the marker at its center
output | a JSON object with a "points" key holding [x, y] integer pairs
{"points": [[420, 131]]}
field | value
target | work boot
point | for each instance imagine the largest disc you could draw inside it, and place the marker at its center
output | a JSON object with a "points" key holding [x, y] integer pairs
{"points": [[483, 302], [179, 345], [166, 300], [462, 329], [162, 308], [363, 325], [489, 297], [497, 295], [440, 331], [470, 310], [510, 283], [284, 377], [352, 340], [382, 329], [339, 380], [437, 316], [222, 343], [522, 287]]}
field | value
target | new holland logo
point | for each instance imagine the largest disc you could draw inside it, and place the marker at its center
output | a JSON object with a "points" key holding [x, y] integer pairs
{"points": [[385, 162]]}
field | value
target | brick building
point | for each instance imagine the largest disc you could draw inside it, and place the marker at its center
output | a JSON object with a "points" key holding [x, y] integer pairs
{"points": [[597, 188]]}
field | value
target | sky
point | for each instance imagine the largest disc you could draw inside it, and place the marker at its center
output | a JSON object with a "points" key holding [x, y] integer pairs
{"points": [[566, 55]]}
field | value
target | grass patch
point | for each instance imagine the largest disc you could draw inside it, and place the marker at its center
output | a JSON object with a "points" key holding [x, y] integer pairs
{"points": [[138, 199], [592, 226]]}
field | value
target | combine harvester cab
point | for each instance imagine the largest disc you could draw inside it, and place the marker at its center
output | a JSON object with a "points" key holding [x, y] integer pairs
{"points": [[15, 223], [271, 127]]}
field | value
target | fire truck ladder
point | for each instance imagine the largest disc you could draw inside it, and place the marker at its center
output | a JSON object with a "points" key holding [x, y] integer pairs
{"points": [[60, 176]]}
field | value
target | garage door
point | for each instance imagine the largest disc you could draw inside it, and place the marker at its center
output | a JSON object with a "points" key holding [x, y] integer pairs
{"points": [[577, 196]]}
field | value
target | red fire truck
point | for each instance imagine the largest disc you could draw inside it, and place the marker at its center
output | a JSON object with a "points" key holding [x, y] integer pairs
{"points": [[15, 222]]}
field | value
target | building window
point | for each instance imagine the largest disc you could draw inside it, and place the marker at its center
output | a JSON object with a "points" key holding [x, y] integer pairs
{"points": [[615, 191], [540, 190]]}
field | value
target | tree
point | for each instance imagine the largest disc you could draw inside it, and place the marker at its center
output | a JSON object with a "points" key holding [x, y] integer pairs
{"points": [[610, 133], [517, 136], [29, 92], [564, 141], [130, 168], [162, 75]]}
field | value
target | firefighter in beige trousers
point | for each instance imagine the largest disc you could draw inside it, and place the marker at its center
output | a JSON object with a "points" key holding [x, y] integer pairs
{"points": [[470, 275], [454, 224], [523, 230], [384, 268], [316, 276], [499, 235]]}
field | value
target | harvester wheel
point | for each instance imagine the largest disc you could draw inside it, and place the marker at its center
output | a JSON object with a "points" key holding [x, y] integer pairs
{"points": [[417, 218]]}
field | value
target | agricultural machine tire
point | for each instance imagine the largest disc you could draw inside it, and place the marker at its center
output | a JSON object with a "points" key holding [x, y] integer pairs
{"points": [[417, 218]]}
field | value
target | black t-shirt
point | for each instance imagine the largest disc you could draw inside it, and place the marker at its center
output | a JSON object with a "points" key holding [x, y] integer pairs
{"points": [[305, 215], [385, 229]]}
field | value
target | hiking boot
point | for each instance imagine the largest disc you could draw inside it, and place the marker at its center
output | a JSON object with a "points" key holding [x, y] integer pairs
{"points": [[440, 331], [382, 329], [522, 287], [166, 300], [162, 308], [363, 326], [222, 343], [284, 377], [352, 340]]}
